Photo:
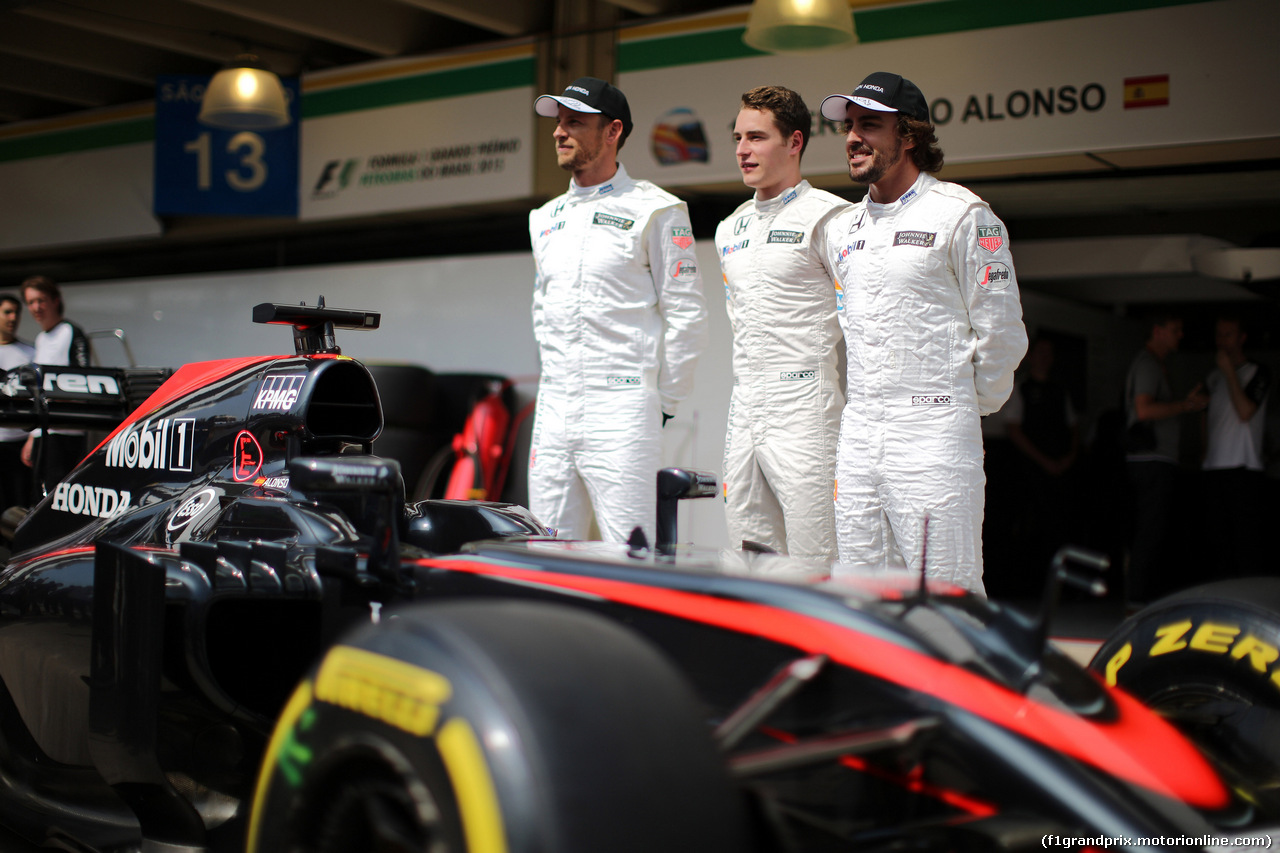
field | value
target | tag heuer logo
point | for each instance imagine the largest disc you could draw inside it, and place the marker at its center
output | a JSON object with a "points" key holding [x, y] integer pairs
{"points": [[990, 237], [682, 237]]}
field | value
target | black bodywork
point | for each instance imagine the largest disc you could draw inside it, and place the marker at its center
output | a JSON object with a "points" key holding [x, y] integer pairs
{"points": [[160, 606]]}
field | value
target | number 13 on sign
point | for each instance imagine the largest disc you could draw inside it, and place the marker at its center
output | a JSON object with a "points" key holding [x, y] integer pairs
{"points": [[206, 171]]}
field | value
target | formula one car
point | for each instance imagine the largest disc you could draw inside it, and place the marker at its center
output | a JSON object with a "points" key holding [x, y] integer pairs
{"points": [[225, 630]]}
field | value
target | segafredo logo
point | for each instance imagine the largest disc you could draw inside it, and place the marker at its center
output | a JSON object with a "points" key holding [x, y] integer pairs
{"points": [[684, 269], [278, 393], [994, 276], [95, 501], [164, 446], [191, 508]]}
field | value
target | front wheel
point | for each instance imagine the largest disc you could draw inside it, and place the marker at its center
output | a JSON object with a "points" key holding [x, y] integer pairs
{"points": [[1208, 660], [494, 727]]}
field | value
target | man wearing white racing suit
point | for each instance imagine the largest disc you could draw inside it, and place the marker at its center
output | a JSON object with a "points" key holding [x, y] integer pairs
{"points": [[933, 328], [619, 317], [788, 388]]}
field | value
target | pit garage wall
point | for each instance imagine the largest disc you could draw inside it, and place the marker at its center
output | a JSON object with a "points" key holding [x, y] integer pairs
{"points": [[377, 138], [1005, 80], [469, 314]]}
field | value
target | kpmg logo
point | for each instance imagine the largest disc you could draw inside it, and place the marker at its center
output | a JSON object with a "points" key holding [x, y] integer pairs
{"points": [[278, 393]]}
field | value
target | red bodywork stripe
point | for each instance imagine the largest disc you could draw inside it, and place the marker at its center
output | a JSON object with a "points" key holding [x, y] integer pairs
{"points": [[188, 378], [83, 549], [911, 781], [1138, 746]]}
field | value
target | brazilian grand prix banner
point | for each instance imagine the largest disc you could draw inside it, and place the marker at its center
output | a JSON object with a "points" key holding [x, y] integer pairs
{"points": [[413, 134]]}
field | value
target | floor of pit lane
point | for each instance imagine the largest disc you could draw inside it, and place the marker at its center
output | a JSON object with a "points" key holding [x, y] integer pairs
{"points": [[1080, 626]]}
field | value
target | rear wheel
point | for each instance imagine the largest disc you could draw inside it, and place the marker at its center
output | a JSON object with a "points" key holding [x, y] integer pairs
{"points": [[494, 727]]}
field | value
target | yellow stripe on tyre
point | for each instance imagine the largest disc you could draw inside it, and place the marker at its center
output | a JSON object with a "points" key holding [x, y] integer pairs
{"points": [[473, 786], [298, 703]]}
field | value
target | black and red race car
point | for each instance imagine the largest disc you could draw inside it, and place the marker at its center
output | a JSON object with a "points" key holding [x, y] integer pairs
{"points": [[225, 630]]}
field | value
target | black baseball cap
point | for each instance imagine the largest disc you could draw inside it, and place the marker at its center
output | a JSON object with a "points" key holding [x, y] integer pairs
{"points": [[589, 95], [888, 93]]}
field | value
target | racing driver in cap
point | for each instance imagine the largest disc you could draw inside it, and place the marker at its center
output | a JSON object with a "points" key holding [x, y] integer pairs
{"points": [[619, 317], [933, 330]]}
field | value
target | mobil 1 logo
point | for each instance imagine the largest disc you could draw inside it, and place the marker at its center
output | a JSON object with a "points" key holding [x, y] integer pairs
{"points": [[161, 445]]}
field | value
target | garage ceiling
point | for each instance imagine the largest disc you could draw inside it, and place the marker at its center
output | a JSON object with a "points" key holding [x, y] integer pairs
{"points": [[61, 56]]}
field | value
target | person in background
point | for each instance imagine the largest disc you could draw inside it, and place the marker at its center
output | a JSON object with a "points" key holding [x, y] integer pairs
{"points": [[1041, 424], [59, 343], [15, 478], [619, 317], [933, 327], [1152, 438], [788, 385], [1233, 464]]}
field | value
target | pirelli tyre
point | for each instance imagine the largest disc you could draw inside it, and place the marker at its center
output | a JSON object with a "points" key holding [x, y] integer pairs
{"points": [[1208, 660], [493, 727]]}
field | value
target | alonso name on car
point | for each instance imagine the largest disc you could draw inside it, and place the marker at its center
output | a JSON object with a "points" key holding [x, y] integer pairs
{"points": [[278, 393], [165, 446], [96, 501]]}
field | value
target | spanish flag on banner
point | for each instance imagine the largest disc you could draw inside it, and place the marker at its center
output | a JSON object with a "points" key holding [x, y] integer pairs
{"points": [[1146, 91]]}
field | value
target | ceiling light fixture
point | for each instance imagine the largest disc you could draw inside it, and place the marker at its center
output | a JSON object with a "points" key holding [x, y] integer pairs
{"points": [[799, 26], [245, 96]]}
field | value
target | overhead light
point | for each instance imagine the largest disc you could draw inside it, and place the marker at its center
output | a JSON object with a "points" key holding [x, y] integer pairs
{"points": [[797, 26], [245, 96]]}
